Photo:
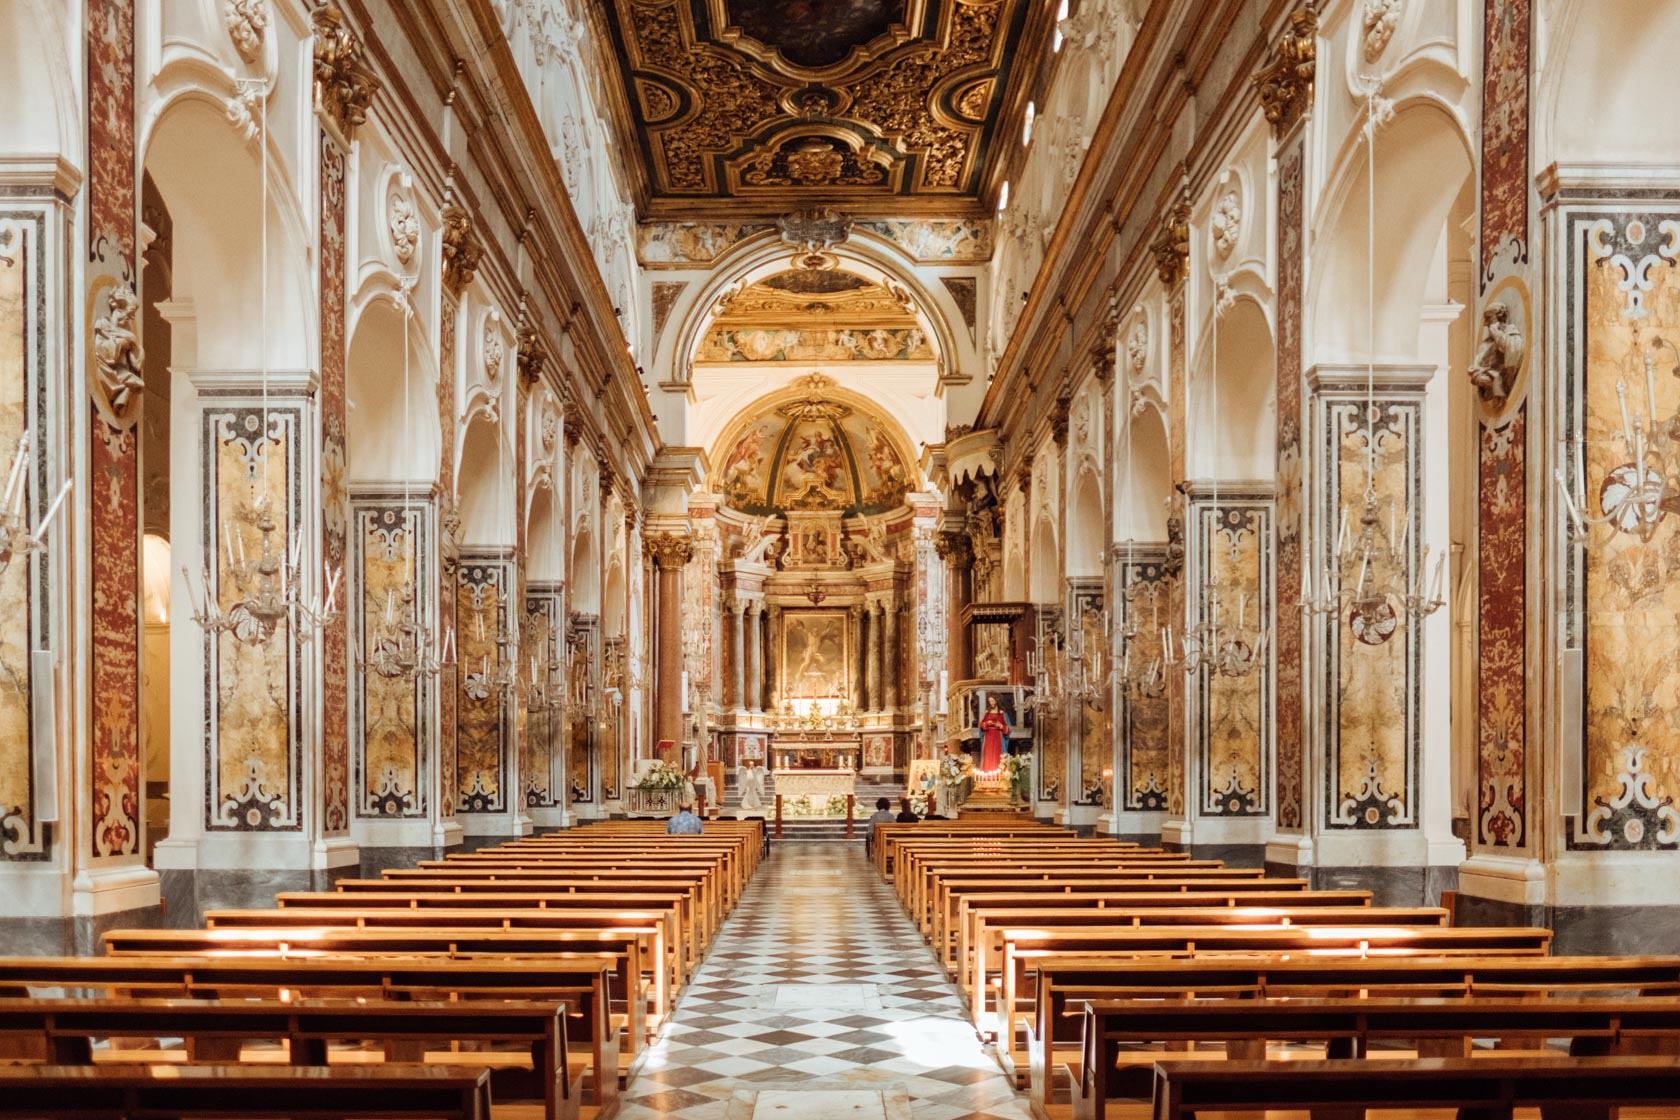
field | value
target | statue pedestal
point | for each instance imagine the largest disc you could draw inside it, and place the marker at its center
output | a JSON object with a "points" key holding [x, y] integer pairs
{"points": [[991, 795]]}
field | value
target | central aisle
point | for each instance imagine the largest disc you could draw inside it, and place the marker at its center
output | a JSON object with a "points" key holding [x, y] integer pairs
{"points": [[819, 983]]}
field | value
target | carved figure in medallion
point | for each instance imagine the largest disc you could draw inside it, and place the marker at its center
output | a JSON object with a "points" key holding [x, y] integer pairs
{"points": [[1499, 355], [117, 360]]}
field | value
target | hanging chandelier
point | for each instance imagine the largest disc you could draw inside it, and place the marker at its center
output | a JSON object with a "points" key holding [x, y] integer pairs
{"points": [[271, 595], [1636, 493], [1208, 643], [17, 538], [1378, 597]]}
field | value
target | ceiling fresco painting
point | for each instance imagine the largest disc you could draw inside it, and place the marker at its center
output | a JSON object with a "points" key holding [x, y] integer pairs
{"points": [[814, 453], [748, 108]]}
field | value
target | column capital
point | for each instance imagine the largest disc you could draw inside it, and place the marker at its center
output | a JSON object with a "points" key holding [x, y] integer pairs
{"points": [[668, 549], [954, 547]]}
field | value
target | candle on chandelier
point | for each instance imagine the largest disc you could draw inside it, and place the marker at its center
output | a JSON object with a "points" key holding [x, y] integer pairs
{"points": [[1568, 502], [1341, 533], [1651, 385], [52, 510], [14, 481], [1627, 426], [1440, 576]]}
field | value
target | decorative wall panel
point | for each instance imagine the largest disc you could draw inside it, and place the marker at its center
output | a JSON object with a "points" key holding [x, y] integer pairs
{"points": [[483, 724], [1502, 635], [1232, 716], [335, 499], [580, 676], [390, 550], [1177, 419], [1146, 742], [449, 552], [1623, 316], [254, 694], [114, 455], [1372, 718], [1093, 733], [26, 263], [542, 744], [1505, 112], [1050, 757], [1288, 626]]}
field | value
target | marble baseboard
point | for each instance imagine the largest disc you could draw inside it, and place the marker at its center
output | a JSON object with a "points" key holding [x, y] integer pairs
{"points": [[1585, 930], [1234, 855], [1389, 886]]}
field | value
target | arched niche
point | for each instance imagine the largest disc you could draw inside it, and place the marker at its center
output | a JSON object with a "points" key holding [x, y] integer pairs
{"points": [[1087, 530], [1239, 442], [487, 499], [211, 182], [393, 434], [1146, 478], [586, 572], [813, 446], [1423, 161], [545, 540], [613, 602], [1606, 97], [1045, 573]]}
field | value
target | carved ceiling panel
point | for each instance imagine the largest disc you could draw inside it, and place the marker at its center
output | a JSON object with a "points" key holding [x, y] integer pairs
{"points": [[756, 107]]}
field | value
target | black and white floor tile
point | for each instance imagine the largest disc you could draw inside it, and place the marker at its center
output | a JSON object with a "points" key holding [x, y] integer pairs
{"points": [[819, 983]]}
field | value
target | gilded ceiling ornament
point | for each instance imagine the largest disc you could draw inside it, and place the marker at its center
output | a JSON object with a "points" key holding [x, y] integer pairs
{"points": [[1286, 82], [491, 350], [1380, 19], [117, 360], [247, 21], [816, 230], [1172, 248], [404, 224], [1227, 223], [460, 248], [344, 82]]}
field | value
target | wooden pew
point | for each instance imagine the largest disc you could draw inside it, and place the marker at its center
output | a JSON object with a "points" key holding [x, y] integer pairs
{"points": [[550, 891], [926, 876], [1436, 1028], [985, 954], [1029, 955], [957, 930], [718, 868], [62, 1033], [656, 950], [585, 910], [703, 907], [919, 865], [891, 832], [387, 1092], [582, 982], [1484, 1088], [626, 947]]}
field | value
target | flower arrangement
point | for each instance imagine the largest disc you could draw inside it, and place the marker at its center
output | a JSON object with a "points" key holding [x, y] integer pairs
{"points": [[955, 769], [661, 776], [1017, 768], [919, 804]]}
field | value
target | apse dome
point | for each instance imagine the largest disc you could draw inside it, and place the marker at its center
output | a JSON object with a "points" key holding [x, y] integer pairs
{"points": [[818, 449]]}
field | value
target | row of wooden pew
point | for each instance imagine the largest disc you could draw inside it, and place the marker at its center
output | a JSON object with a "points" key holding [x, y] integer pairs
{"points": [[535, 972], [1099, 968]]}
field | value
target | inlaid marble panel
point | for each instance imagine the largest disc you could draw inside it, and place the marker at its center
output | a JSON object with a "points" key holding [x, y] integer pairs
{"points": [[1291, 499], [391, 737], [540, 742], [483, 726], [253, 776], [1372, 720], [1146, 741], [1501, 633], [1096, 741], [1233, 725], [335, 499]]}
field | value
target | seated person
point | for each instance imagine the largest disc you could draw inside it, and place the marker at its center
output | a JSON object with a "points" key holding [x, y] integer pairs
{"points": [[883, 812], [906, 815], [685, 823]]}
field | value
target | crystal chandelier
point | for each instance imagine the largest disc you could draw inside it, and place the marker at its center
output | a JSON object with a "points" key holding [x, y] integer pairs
{"points": [[500, 676], [1377, 598], [1207, 642], [1635, 493], [1047, 673], [271, 595], [17, 538]]}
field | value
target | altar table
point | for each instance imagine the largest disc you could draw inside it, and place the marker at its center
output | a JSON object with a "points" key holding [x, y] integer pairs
{"points": [[818, 785]]}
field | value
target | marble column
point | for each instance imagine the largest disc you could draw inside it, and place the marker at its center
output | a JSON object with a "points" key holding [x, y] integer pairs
{"points": [[755, 657], [872, 667], [670, 552], [860, 661], [957, 552], [737, 644], [889, 655], [773, 658]]}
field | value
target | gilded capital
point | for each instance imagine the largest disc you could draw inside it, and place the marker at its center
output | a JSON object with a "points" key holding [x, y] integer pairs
{"points": [[461, 250], [954, 547], [669, 550], [1286, 81], [1171, 249], [344, 82]]}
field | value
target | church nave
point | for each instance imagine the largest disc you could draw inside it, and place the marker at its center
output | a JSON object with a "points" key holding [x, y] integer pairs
{"points": [[819, 985]]}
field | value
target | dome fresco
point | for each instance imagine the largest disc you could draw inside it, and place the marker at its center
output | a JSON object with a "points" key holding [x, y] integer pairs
{"points": [[814, 454]]}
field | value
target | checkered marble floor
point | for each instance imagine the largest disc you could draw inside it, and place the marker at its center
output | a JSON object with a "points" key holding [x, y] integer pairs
{"points": [[818, 981]]}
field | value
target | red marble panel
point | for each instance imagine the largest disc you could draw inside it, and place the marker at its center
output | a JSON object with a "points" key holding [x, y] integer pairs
{"points": [[1501, 663], [335, 501], [1506, 32], [1287, 627]]}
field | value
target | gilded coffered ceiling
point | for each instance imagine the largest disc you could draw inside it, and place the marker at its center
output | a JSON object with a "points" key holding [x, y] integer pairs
{"points": [[750, 108]]}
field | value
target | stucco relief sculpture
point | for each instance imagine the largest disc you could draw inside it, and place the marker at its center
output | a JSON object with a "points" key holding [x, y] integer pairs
{"points": [[247, 22], [1499, 355], [405, 227], [1226, 224], [1286, 82], [117, 361], [1379, 21]]}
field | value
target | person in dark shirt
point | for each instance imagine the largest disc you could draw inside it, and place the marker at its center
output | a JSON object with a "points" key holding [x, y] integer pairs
{"points": [[883, 812], [906, 815]]}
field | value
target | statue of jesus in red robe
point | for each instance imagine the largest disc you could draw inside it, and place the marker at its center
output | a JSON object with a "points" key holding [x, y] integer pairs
{"points": [[994, 733]]}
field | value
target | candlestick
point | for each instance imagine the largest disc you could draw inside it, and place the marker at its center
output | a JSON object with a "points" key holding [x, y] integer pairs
{"points": [[1627, 427], [1651, 386], [1341, 533]]}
